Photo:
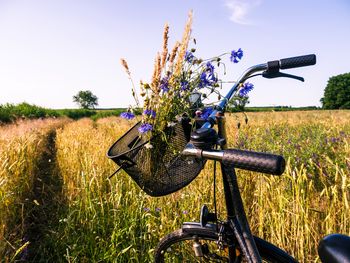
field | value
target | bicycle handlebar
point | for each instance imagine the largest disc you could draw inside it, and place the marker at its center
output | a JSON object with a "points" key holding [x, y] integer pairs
{"points": [[293, 62], [273, 66], [255, 161], [243, 159], [296, 62]]}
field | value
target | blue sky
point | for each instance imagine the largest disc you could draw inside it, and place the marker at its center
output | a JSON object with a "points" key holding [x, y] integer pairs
{"points": [[51, 49]]}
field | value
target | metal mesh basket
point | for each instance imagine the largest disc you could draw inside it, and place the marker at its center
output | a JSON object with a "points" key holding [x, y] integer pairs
{"points": [[159, 170]]}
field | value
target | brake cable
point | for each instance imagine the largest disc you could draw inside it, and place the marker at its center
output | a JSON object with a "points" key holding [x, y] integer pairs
{"points": [[215, 208]]}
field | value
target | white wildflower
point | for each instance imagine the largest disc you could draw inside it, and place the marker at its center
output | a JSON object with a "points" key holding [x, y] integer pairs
{"points": [[148, 146], [171, 124]]}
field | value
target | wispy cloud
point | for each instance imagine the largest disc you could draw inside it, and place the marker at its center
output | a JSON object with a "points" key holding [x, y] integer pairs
{"points": [[240, 9]]}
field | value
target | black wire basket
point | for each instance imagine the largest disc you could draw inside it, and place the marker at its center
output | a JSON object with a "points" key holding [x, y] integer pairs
{"points": [[162, 169]]}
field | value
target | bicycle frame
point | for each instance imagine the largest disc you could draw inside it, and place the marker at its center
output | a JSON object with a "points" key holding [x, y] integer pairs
{"points": [[234, 206], [236, 215]]}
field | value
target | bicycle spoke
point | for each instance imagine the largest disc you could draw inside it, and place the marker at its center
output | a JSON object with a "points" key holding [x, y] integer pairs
{"points": [[184, 252]]}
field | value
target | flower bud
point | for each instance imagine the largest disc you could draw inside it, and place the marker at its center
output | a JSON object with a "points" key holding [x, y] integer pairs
{"points": [[198, 113]]}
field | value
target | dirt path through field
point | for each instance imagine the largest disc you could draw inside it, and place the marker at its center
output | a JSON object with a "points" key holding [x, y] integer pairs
{"points": [[47, 199]]}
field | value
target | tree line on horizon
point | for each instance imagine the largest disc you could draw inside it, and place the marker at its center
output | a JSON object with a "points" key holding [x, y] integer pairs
{"points": [[336, 96], [11, 112]]}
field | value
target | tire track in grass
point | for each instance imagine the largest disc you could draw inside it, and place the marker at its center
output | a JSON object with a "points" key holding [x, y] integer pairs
{"points": [[46, 204]]}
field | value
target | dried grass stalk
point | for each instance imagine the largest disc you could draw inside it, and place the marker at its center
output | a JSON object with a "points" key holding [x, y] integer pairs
{"points": [[156, 74], [174, 53], [165, 45], [184, 44], [126, 67]]}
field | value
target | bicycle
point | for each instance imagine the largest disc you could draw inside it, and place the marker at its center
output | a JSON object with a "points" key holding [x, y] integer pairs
{"points": [[213, 240]]}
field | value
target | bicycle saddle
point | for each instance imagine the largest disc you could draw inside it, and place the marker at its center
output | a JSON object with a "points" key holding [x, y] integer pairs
{"points": [[334, 248]]}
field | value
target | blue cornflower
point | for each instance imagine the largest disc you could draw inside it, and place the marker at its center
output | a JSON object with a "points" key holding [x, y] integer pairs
{"points": [[236, 56], [334, 140], [151, 113], [127, 115], [207, 79], [212, 78], [164, 84], [184, 85], [247, 87], [189, 57], [210, 67], [203, 80], [206, 112], [145, 127]]}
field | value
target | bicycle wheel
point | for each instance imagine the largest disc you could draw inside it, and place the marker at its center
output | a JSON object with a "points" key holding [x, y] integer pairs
{"points": [[178, 247]]}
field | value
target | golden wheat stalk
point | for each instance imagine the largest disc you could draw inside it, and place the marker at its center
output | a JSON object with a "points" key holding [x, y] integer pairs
{"points": [[156, 74], [174, 53], [184, 44], [126, 67], [165, 45]]}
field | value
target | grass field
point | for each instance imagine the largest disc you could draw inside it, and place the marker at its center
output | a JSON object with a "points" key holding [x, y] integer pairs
{"points": [[57, 205]]}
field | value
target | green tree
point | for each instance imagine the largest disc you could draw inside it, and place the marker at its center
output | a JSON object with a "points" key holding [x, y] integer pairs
{"points": [[85, 99], [337, 92]]}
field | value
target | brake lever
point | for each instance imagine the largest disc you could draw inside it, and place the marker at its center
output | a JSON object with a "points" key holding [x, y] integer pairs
{"points": [[271, 75]]}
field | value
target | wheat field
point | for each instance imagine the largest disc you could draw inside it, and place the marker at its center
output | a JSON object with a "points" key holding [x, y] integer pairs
{"points": [[58, 205]]}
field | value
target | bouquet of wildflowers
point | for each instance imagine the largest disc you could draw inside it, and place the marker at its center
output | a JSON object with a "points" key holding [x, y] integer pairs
{"points": [[177, 76]]}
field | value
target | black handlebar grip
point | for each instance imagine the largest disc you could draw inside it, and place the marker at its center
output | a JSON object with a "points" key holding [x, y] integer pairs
{"points": [[255, 161], [296, 62]]}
